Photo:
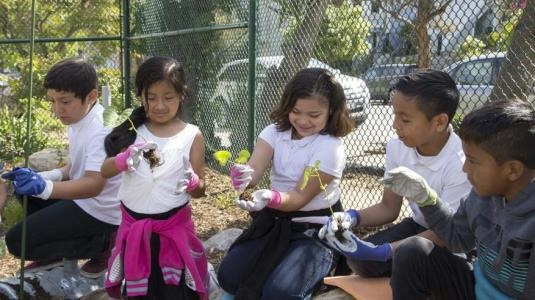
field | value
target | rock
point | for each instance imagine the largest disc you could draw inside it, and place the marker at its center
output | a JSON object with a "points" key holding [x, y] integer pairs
{"points": [[222, 240], [48, 159]]}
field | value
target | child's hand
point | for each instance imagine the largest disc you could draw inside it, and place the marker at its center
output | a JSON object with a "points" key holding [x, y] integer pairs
{"points": [[190, 182], [261, 199], [27, 182], [347, 220], [240, 176], [129, 159], [409, 184], [353, 247]]}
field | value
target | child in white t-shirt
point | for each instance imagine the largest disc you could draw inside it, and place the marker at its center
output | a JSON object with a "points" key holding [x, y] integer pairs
{"points": [[274, 259], [156, 250], [72, 211], [424, 104]]}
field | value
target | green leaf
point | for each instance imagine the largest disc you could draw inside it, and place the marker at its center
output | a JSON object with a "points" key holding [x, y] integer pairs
{"points": [[222, 157], [243, 157]]}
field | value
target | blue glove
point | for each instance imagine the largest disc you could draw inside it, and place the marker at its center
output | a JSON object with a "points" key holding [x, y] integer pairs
{"points": [[353, 247], [346, 220], [27, 182]]}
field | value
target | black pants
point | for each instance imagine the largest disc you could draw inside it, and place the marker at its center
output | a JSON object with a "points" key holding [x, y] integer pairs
{"points": [[158, 290], [422, 270], [59, 229], [404, 229]]}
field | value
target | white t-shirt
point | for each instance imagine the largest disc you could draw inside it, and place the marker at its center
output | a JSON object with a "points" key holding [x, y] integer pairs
{"points": [[291, 157], [443, 172], [86, 152], [152, 191]]}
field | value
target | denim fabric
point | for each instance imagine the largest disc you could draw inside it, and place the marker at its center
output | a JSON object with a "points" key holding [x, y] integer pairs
{"points": [[305, 264]]}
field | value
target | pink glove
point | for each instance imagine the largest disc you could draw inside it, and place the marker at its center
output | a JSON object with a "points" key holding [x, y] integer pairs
{"points": [[261, 199], [190, 181], [240, 176], [129, 159]]}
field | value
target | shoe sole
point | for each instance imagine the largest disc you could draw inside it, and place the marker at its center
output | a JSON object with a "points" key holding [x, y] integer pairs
{"points": [[41, 268], [92, 275]]}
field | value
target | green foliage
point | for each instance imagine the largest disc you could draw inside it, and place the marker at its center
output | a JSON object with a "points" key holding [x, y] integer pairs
{"points": [[342, 36], [113, 117], [223, 156], [456, 122], [46, 131], [12, 213], [471, 46], [496, 41]]}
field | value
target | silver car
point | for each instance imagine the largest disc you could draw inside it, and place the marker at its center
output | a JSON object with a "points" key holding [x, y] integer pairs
{"points": [[231, 92]]}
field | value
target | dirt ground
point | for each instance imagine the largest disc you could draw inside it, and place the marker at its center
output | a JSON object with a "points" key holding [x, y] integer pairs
{"points": [[212, 214]]}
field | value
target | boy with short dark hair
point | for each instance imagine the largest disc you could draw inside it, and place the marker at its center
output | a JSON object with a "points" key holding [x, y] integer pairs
{"points": [[497, 217], [78, 226], [424, 104]]}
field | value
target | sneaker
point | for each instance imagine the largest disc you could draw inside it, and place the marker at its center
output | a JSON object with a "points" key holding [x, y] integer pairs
{"points": [[42, 265], [95, 267]]}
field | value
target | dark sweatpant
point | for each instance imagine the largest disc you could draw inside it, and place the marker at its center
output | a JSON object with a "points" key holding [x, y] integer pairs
{"points": [[404, 229], [422, 270], [59, 229]]}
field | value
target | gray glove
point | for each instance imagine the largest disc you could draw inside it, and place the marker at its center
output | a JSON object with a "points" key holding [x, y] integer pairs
{"points": [[409, 184]]}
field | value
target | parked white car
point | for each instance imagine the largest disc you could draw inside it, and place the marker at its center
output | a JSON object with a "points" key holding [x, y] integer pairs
{"points": [[230, 94]]}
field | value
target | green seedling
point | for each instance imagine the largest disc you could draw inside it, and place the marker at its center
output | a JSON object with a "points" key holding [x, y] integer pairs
{"points": [[314, 171], [149, 155], [223, 156]]}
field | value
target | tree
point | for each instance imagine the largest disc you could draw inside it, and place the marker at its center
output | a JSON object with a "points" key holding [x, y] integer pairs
{"points": [[426, 10], [517, 74], [55, 19]]}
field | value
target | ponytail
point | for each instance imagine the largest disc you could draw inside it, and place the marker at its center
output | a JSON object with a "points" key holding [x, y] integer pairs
{"points": [[122, 136]]}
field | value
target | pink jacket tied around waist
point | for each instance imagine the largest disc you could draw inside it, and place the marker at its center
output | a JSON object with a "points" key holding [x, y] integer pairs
{"points": [[180, 251]]}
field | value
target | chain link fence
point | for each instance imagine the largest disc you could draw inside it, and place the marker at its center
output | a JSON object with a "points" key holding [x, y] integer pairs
{"points": [[486, 46]]}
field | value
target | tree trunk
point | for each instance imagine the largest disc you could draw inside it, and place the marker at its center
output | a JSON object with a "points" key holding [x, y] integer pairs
{"points": [[517, 74], [422, 18]]}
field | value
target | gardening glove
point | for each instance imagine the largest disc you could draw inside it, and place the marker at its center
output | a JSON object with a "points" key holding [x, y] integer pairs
{"points": [[409, 184], [240, 176], [129, 159], [354, 248], [54, 175], [27, 182], [347, 220], [190, 181], [261, 199]]}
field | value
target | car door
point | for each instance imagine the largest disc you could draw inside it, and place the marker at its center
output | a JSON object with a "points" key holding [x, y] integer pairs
{"points": [[475, 80]]}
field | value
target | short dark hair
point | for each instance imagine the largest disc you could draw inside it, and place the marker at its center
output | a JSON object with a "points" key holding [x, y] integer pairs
{"points": [[435, 91], [320, 83], [505, 129], [74, 75], [152, 70]]}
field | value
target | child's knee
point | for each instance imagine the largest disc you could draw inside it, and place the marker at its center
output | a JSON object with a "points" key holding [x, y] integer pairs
{"points": [[13, 241], [413, 249]]}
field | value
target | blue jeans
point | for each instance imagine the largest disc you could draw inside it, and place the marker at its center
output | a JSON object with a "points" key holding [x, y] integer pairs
{"points": [[305, 264]]}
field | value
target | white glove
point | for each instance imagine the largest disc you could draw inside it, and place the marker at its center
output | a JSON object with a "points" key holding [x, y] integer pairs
{"points": [[54, 175], [241, 176], [261, 199], [409, 184], [136, 154], [347, 220]]}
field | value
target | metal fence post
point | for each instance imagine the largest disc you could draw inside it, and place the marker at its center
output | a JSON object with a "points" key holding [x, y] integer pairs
{"points": [[125, 35], [251, 88]]}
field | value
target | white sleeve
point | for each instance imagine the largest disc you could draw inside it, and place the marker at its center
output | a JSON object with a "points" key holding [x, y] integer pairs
{"points": [[456, 186], [269, 134], [95, 153], [392, 153], [331, 156]]}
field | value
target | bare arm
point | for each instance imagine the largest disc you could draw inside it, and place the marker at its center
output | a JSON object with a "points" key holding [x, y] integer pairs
{"points": [[108, 168], [260, 160], [65, 171], [383, 212], [196, 158], [89, 185], [297, 198], [428, 234]]}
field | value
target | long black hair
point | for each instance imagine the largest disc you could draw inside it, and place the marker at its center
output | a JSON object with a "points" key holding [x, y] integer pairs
{"points": [[152, 70]]}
